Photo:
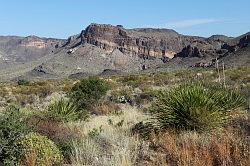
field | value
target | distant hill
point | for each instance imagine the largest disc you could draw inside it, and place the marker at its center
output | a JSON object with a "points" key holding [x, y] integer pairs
{"points": [[103, 47]]}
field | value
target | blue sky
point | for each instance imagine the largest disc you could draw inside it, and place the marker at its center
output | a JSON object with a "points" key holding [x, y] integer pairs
{"points": [[62, 18]]}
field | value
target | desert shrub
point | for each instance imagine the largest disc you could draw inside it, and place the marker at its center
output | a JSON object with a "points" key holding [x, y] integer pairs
{"points": [[106, 107], [146, 130], [23, 82], [12, 126], [65, 110], [41, 90], [195, 107], [39, 150], [142, 80], [55, 130], [23, 99], [88, 92]]}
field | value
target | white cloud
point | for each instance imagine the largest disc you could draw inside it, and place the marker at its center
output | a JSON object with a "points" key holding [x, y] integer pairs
{"points": [[190, 23]]}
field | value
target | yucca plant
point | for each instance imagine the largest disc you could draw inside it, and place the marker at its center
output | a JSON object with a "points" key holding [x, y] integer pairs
{"points": [[64, 110], [195, 107]]}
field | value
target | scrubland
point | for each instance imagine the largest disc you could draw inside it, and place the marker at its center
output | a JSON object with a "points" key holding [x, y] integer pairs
{"points": [[188, 117]]}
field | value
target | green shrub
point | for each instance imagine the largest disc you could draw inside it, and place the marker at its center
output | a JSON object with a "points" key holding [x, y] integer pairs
{"points": [[23, 82], [39, 149], [195, 107], [88, 92], [12, 126], [64, 110]]}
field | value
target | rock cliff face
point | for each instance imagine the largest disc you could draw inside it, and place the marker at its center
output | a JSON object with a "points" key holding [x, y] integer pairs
{"points": [[142, 42], [244, 41], [110, 37], [148, 42], [190, 51], [40, 43]]}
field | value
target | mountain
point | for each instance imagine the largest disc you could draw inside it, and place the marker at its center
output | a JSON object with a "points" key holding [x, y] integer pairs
{"points": [[22, 49], [103, 47]]}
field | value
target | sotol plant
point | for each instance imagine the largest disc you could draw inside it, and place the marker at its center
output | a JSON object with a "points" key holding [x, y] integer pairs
{"points": [[195, 107], [65, 110]]}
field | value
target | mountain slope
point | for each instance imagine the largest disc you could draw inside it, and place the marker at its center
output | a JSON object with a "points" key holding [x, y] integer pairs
{"points": [[23, 49], [103, 47]]}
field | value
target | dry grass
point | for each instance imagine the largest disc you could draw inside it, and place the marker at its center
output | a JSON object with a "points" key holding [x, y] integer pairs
{"points": [[29, 159], [106, 140], [105, 108], [192, 149]]}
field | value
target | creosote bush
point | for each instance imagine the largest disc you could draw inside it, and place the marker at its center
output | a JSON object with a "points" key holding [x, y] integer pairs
{"points": [[12, 126], [88, 92], [195, 107], [23, 82], [39, 150]]}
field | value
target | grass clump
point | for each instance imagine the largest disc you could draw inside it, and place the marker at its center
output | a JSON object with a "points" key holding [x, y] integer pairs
{"points": [[106, 140], [38, 150], [196, 149], [195, 107]]}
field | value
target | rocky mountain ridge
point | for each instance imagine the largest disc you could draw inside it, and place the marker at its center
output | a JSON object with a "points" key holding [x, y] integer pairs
{"points": [[23, 49], [143, 42], [104, 47]]}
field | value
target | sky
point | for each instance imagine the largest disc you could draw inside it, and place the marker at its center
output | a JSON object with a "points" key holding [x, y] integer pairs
{"points": [[62, 18]]}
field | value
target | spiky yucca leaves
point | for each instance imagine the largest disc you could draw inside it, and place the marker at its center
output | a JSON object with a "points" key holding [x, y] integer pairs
{"points": [[195, 107], [227, 99], [64, 110]]}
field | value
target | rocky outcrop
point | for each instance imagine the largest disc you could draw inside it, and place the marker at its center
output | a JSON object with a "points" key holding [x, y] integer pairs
{"points": [[145, 43], [41, 43], [244, 41], [190, 51], [41, 69], [110, 37], [110, 72]]}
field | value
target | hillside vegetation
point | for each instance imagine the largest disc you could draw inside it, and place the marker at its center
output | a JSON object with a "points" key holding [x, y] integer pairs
{"points": [[188, 117]]}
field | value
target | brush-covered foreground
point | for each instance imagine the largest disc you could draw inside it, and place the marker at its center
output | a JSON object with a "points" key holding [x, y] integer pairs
{"points": [[191, 117]]}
